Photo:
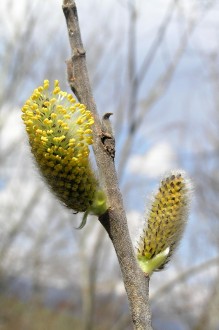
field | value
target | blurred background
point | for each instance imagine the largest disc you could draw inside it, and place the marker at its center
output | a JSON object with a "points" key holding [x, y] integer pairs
{"points": [[155, 65]]}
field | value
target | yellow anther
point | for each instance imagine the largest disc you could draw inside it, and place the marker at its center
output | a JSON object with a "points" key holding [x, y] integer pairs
{"points": [[34, 106], [53, 115], [29, 122], [88, 131], [56, 83], [71, 98], [46, 84], [47, 121], [56, 90], [79, 121], [63, 94], [25, 108], [44, 139], [60, 121], [89, 141], [73, 109], [46, 103]]}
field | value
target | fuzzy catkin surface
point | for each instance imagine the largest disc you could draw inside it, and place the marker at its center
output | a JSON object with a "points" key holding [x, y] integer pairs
{"points": [[60, 132], [166, 218]]}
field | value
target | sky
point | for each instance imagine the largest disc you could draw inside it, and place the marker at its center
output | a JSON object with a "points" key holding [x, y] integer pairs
{"points": [[191, 66]]}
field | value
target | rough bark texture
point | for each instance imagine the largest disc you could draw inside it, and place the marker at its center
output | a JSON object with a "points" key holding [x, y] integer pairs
{"points": [[114, 221]]}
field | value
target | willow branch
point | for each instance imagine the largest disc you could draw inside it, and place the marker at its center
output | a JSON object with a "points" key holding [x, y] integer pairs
{"points": [[114, 220]]}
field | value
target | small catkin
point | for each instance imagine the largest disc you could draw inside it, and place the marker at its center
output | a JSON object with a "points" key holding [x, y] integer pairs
{"points": [[165, 223], [60, 132]]}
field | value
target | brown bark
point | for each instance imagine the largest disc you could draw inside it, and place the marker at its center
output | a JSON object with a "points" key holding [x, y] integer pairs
{"points": [[114, 220]]}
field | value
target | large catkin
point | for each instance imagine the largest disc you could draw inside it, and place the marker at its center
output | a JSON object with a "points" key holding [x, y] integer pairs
{"points": [[60, 132]]}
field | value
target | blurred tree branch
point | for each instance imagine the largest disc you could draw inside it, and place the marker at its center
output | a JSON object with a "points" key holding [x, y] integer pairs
{"points": [[114, 221], [184, 276], [17, 228], [89, 271], [137, 116], [209, 316]]}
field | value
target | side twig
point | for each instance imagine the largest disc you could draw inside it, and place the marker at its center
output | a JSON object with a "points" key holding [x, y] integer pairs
{"points": [[114, 220]]}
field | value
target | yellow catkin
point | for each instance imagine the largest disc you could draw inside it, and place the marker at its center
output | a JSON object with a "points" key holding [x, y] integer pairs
{"points": [[166, 219], [60, 132]]}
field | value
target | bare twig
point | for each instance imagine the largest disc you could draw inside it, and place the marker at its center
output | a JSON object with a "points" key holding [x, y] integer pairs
{"points": [[154, 94], [16, 229], [184, 276], [209, 316], [114, 220], [90, 268], [161, 84], [136, 78]]}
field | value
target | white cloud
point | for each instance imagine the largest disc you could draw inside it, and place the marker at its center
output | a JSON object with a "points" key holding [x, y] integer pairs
{"points": [[12, 128], [135, 220], [160, 158]]}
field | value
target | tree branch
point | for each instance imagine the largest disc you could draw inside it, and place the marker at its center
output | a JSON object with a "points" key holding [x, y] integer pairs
{"points": [[114, 220], [183, 277]]}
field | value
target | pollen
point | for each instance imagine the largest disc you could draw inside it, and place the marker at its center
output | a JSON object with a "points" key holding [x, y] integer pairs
{"points": [[60, 132]]}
